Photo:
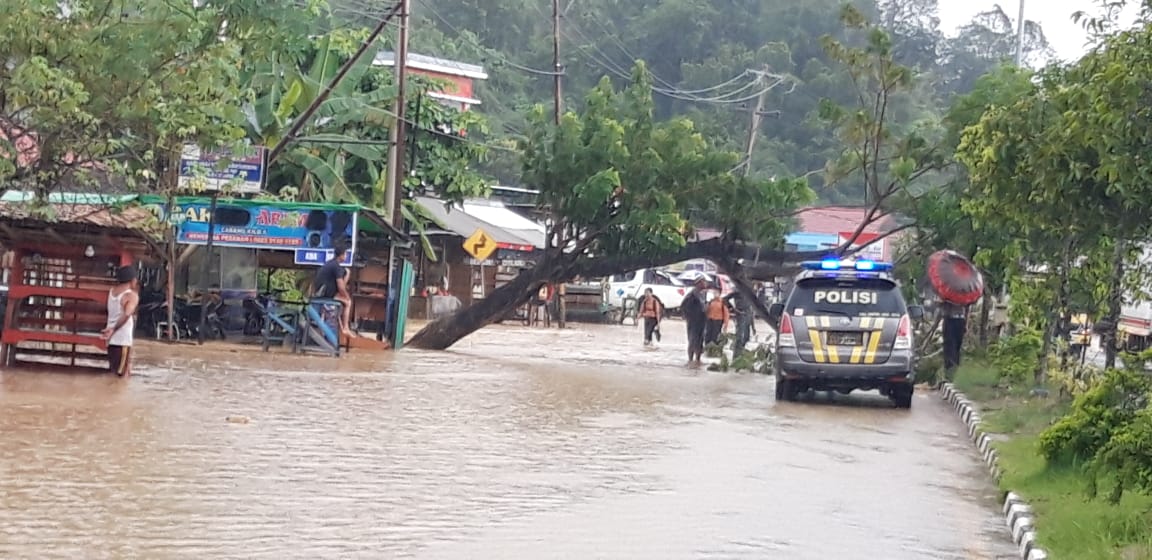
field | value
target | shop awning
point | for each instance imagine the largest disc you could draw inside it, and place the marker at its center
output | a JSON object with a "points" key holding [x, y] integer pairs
{"points": [[1134, 327], [459, 221]]}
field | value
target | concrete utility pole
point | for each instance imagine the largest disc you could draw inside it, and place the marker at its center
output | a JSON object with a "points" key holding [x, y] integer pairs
{"points": [[557, 100], [1020, 37], [558, 107], [758, 115], [394, 180]]}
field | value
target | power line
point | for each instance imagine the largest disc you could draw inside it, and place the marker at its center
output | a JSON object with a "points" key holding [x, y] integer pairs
{"points": [[468, 37], [675, 93], [614, 37]]}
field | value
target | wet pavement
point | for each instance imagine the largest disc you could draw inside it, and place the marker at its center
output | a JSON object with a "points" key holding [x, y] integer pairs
{"points": [[519, 443]]}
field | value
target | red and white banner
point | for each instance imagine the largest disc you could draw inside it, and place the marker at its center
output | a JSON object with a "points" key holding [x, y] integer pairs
{"points": [[874, 252]]}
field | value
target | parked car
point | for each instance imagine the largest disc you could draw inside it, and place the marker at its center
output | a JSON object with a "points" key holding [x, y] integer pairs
{"points": [[664, 285]]}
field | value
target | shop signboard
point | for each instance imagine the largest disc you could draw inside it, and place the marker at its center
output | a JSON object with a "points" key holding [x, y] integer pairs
{"points": [[223, 170], [309, 233]]}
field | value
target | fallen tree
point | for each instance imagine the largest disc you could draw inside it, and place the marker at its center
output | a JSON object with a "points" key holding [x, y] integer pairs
{"points": [[621, 187]]}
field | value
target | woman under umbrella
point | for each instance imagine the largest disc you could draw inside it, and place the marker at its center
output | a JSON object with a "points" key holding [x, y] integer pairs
{"points": [[958, 284]]}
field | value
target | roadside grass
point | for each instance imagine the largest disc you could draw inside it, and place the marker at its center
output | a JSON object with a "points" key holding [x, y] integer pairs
{"points": [[1070, 525]]}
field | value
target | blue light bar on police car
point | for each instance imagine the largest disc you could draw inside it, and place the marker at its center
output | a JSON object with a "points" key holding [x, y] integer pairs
{"points": [[841, 264]]}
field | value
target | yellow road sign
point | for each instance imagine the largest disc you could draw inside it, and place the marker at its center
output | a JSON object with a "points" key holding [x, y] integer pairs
{"points": [[479, 245]]}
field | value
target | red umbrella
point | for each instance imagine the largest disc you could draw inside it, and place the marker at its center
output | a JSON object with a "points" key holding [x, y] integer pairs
{"points": [[954, 278]]}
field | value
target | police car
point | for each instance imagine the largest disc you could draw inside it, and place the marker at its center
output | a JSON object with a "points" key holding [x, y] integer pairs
{"points": [[845, 326]]}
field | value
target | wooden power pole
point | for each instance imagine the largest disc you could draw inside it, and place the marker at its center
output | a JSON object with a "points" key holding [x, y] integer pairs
{"points": [[557, 108], [394, 181]]}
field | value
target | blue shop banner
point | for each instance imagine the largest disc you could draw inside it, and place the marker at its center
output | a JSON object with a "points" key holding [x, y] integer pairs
{"points": [[252, 226]]}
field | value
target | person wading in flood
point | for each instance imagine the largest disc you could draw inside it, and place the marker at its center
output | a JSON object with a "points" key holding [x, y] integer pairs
{"points": [[122, 302], [693, 308], [718, 317], [332, 282], [651, 310], [744, 316]]}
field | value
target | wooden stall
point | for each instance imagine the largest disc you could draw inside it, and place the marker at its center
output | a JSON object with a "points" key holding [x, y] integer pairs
{"points": [[61, 272]]}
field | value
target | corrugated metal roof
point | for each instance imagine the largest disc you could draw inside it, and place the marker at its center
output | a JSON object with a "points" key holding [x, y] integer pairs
{"points": [[132, 218], [836, 219], [496, 213], [433, 64], [460, 222]]}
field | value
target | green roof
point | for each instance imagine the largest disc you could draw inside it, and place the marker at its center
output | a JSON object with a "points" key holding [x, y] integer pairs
{"points": [[69, 198], [155, 199], [377, 225]]}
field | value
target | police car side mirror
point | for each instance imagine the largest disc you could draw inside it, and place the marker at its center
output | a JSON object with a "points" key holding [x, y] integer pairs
{"points": [[915, 312], [775, 312]]}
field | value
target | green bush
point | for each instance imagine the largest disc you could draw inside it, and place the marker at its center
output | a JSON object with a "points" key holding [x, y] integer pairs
{"points": [[1096, 417], [1016, 356], [1126, 459]]}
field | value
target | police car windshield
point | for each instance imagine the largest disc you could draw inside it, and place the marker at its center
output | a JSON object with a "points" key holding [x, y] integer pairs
{"points": [[857, 297]]}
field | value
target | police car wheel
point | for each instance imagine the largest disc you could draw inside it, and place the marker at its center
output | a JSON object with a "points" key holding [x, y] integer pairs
{"points": [[786, 389], [902, 396]]}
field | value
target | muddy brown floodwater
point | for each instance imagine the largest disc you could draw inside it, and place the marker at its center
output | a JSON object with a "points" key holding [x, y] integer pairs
{"points": [[519, 443]]}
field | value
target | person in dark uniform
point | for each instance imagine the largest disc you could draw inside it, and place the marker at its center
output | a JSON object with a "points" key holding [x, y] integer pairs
{"points": [[742, 309], [955, 325], [695, 316], [332, 282]]}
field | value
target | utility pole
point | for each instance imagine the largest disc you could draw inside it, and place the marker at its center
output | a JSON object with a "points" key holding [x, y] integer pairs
{"points": [[557, 108], [1020, 37], [757, 115], [394, 181], [394, 178], [557, 69]]}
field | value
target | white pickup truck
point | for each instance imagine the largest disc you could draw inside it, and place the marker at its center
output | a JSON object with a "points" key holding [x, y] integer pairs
{"points": [[664, 285]]}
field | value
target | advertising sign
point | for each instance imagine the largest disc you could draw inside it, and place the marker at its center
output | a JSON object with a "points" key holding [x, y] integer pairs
{"points": [[222, 170], [873, 252], [310, 233]]}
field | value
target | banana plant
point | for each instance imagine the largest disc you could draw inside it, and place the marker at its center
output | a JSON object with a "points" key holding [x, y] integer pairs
{"points": [[331, 146]]}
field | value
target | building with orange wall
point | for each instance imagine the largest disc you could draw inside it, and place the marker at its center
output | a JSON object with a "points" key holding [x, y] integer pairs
{"points": [[459, 77]]}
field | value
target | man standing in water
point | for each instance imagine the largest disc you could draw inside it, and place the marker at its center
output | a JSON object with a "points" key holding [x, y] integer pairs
{"points": [[332, 282], [695, 315], [122, 302], [742, 308], [651, 310]]}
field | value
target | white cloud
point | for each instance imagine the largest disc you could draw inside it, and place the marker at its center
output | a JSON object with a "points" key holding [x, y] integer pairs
{"points": [[1067, 37]]}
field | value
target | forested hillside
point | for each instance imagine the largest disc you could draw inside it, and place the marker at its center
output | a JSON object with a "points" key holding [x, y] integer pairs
{"points": [[705, 56]]}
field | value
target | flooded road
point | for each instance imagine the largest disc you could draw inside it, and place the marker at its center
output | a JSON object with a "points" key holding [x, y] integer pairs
{"points": [[519, 443]]}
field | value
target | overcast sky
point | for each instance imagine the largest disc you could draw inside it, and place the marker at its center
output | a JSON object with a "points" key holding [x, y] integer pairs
{"points": [[1065, 36]]}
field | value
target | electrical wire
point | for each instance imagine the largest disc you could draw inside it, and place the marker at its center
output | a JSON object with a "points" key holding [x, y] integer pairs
{"points": [[608, 64], [468, 37], [613, 35]]}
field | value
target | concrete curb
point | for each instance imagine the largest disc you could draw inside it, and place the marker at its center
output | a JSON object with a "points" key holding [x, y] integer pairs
{"points": [[1018, 516]]}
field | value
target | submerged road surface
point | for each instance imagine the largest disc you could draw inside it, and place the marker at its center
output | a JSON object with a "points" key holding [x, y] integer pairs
{"points": [[519, 443]]}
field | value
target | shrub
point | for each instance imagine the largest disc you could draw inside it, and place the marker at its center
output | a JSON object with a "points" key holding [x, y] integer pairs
{"points": [[1096, 417], [1126, 459], [1016, 356]]}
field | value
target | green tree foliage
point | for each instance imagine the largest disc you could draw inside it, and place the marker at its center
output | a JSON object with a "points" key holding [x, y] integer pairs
{"points": [[91, 90]]}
